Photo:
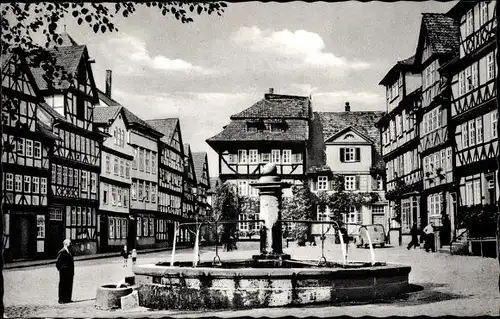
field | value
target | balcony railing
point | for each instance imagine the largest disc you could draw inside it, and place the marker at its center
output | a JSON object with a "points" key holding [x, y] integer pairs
{"points": [[474, 98], [480, 37]]}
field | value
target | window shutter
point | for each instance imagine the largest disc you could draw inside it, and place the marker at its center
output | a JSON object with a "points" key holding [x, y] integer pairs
{"points": [[342, 155], [357, 154], [358, 216], [357, 182], [314, 184]]}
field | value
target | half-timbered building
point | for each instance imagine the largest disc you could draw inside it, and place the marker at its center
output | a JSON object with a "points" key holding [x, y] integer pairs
{"points": [[472, 77], [115, 179], [26, 150], [348, 144], [273, 130], [400, 139], [437, 44], [200, 161], [189, 191], [170, 178], [75, 162]]}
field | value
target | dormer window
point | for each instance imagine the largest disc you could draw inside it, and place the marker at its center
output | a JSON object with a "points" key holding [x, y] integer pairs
{"points": [[277, 127], [252, 127]]}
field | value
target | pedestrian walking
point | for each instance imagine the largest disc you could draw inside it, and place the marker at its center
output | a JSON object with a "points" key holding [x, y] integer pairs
{"points": [[124, 254], [429, 237], [134, 256], [414, 237], [66, 267]]}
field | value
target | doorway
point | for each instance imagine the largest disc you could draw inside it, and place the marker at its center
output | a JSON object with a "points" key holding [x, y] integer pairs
{"points": [[22, 236]]}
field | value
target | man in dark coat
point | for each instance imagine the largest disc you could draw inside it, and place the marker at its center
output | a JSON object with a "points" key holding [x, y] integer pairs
{"points": [[66, 268], [414, 237]]}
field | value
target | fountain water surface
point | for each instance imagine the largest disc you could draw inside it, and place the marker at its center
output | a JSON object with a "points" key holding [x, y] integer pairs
{"points": [[271, 278]]}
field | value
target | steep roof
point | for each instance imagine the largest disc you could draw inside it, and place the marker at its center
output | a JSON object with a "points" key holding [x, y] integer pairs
{"points": [[56, 115], [443, 32], [102, 114], [362, 121], [394, 71], [68, 58], [46, 130], [165, 126], [199, 158], [277, 106], [236, 130], [129, 117]]}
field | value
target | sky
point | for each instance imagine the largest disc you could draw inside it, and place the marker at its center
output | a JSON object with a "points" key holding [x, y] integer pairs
{"points": [[207, 70]]}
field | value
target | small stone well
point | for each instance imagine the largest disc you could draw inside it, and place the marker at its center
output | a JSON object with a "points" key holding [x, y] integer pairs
{"points": [[108, 296]]}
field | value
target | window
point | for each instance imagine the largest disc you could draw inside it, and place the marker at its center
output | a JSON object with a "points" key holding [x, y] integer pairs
{"points": [[112, 228], [490, 61], [469, 23], [349, 154], [465, 136], [494, 123], [118, 227], [115, 166], [153, 163], [9, 181], [472, 133], [151, 227], [40, 226], [147, 160], [484, 12], [275, 156], [322, 183], [477, 191], [124, 228], [434, 202], [119, 197], [350, 183], [105, 193], [449, 159], [153, 193], [27, 184], [265, 157], [141, 159], [113, 195], [242, 188], [134, 160], [127, 169], [139, 226], [146, 190], [122, 168], [93, 182], [20, 146], [479, 130], [242, 156], [352, 216], [125, 198], [297, 158], [287, 156], [36, 184], [253, 156], [133, 190], [141, 188], [84, 181], [461, 83], [38, 150], [145, 226], [65, 176], [55, 214], [380, 183], [277, 127], [43, 185], [469, 193], [29, 148]]}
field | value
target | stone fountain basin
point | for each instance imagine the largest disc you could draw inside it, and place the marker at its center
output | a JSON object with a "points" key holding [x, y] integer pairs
{"points": [[108, 296], [236, 285]]}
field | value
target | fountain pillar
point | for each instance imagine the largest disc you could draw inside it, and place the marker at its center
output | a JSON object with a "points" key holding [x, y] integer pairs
{"points": [[270, 188]]}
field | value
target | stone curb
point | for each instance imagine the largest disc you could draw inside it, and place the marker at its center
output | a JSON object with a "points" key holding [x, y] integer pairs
{"points": [[43, 262]]}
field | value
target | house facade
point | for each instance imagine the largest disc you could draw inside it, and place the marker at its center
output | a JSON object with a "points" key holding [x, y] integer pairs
{"points": [[170, 178], [115, 179], [200, 161], [273, 130], [471, 80], [26, 150], [347, 144], [75, 161], [189, 190]]}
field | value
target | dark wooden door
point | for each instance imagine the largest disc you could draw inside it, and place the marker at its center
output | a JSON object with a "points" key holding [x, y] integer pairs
{"points": [[23, 243], [55, 237]]}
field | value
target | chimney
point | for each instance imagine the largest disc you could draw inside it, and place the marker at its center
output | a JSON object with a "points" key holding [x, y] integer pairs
{"points": [[108, 83], [347, 107], [271, 90]]}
